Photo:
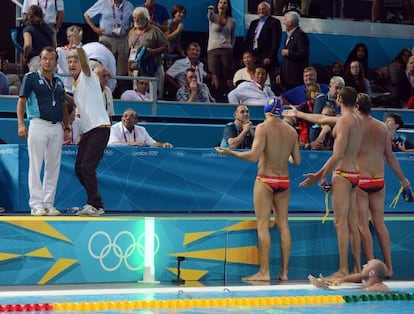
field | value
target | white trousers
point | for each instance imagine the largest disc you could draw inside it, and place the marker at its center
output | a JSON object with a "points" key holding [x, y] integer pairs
{"points": [[44, 146]]}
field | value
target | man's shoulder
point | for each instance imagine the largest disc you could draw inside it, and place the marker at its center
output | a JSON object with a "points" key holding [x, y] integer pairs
{"points": [[31, 75]]}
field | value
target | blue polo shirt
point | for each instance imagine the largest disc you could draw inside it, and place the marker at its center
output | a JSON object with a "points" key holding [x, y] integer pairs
{"points": [[44, 98], [158, 13]]}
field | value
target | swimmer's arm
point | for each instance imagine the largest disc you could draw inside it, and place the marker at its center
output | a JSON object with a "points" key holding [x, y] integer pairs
{"points": [[250, 155], [311, 117], [318, 118]]}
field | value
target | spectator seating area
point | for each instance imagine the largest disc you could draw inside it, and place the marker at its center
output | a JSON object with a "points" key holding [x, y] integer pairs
{"points": [[185, 125]]}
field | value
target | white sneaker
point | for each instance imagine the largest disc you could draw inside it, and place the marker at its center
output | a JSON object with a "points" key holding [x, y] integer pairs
{"points": [[51, 211], [101, 211], [88, 210], [38, 211]]}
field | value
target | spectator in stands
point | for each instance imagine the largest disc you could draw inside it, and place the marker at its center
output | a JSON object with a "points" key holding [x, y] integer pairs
{"points": [[295, 52], [74, 126], [354, 76], [175, 26], [62, 66], [140, 93], [399, 142], [221, 40], [127, 132], [158, 14], [36, 36], [406, 83], [263, 38], [239, 134], [53, 11], [13, 79], [280, 6], [329, 99], [376, 4], [103, 76], [98, 51], [252, 93], [389, 76], [43, 95], [410, 103], [4, 84], [175, 75], [312, 92], [193, 91], [297, 95], [247, 72], [336, 69], [146, 43], [359, 53], [115, 20], [325, 139]]}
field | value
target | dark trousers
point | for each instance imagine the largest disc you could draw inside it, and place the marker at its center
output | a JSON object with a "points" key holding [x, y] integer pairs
{"points": [[90, 151]]}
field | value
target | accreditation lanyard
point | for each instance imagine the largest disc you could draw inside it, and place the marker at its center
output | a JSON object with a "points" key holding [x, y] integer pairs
{"points": [[51, 86], [105, 99], [121, 8], [38, 4], [125, 130]]}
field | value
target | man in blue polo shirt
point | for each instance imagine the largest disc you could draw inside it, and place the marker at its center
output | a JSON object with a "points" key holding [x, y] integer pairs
{"points": [[42, 93]]}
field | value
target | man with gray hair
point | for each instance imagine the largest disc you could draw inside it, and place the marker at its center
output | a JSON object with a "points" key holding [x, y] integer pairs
{"points": [[62, 66], [329, 99], [295, 52]]}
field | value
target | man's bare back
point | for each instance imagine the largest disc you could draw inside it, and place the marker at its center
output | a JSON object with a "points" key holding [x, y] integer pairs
{"points": [[279, 141], [371, 153]]}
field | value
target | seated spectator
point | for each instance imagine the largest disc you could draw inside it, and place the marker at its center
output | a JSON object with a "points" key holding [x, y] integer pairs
{"points": [[410, 103], [359, 53], [141, 93], [297, 95], [354, 76], [389, 76], [247, 73], [406, 83], [324, 140], [175, 75], [329, 99], [13, 79], [127, 132], [239, 134], [312, 92], [336, 69], [193, 91], [394, 122], [376, 4], [173, 34], [104, 75], [74, 126], [4, 84], [252, 93]]}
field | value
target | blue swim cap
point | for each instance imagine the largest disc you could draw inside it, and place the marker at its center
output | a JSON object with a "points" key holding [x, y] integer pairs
{"points": [[273, 106]]}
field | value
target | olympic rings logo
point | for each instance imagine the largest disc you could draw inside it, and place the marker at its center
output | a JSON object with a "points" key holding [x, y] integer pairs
{"points": [[123, 249]]}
